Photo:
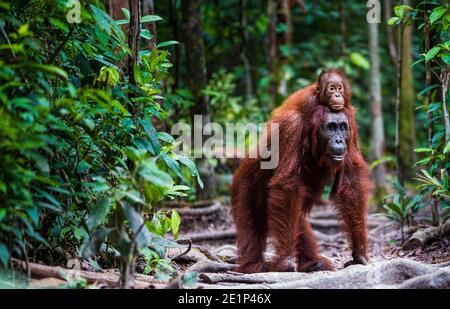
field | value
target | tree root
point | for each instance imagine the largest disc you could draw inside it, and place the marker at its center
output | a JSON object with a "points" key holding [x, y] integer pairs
{"points": [[385, 273], [108, 279], [196, 209], [436, 280], [422, 237], [209, 236], [196, 254], [210, 267]]}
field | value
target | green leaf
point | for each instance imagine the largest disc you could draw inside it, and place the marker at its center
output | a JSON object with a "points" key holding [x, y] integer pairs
{"points": [[427, 89], [192, 167], [40, 161], [99, 212], [447, 148], [134, 196], [166, 137], [54, 70], [150, 172], [2, 214], [59, 24], [4, 255], [83, 166], [175, 221], [151, 133], [190, 279], [33, 212], [423, 161], [172, 164], [102, 19], [394, 21], [423, 150], [432, 53], [126, 12], [146, 34], [167, 43], [150, 18], [437, 14], [122, 22], [399, 10], [359, 60], [446, 58], [136, 222]]}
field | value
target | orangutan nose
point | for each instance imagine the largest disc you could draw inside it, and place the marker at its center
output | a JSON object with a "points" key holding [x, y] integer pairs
{"points": [[338, 148]]}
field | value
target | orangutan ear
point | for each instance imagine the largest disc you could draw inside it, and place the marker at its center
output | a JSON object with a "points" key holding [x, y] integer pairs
{"points": [[317, 90]]}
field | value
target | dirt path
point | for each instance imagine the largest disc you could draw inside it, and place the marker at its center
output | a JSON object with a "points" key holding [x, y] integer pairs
{"points": [[212, 255], [390, 266]]}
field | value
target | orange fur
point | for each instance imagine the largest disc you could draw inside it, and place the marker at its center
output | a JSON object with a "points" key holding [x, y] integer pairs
{"points": [[276, 202]]}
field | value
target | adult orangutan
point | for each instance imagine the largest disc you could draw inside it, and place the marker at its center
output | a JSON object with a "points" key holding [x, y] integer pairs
{"points": [[318, 144]]}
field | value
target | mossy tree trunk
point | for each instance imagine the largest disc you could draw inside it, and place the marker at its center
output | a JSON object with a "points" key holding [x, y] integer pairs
{"points": [[406, 129], [197, 81], [377, 113]]}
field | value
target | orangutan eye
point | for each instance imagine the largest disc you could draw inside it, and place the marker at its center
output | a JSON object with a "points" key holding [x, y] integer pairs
{"points": [[343, 127], [340, 89], [332, 126]]}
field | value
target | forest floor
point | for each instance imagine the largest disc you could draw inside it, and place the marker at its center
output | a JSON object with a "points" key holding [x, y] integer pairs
{"points": [[212, 255], [391, 265]]}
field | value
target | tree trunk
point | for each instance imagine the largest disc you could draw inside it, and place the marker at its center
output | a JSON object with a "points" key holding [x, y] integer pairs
{"points": [[244, 52], [273, 53], [115, 8], [134, 30], [343, 26], [389, 33], [407, 138], [173, 17], [377, 113], [444, 89], [430, 130], [286, 18], [197, 81], [148, 8]]}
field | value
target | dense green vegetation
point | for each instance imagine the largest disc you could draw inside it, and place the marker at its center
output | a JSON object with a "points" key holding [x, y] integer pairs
{"points": [[80, 156], [86, 158]]}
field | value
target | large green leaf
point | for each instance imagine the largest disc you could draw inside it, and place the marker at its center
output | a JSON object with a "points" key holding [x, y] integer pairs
{"points": [[437, 14], [150, 18], [151, 173], [142, 235], [432, 53], [359, 60], [167, 43], [4, 254], [152, 134], [175, 221], [99, 213]]}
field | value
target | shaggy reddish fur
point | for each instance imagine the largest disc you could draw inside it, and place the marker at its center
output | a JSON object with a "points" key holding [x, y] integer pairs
{"points": [[277, 202]]}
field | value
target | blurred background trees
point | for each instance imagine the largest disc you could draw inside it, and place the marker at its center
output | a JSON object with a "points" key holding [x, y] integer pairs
{"points": [[86, 108]]}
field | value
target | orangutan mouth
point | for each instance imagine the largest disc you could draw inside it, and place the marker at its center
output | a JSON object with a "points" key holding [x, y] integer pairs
{"points": [[337, 158]]}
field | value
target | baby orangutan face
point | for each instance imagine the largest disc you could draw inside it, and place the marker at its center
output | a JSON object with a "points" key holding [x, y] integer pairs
{"points": [[331, 89], [335, 92]]}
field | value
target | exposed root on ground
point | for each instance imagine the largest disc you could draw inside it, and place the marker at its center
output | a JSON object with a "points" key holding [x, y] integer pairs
{"points": [[397, 273], [422, 237]]}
